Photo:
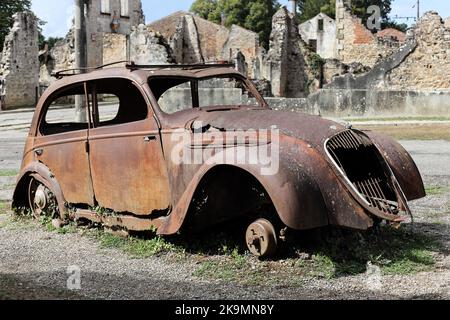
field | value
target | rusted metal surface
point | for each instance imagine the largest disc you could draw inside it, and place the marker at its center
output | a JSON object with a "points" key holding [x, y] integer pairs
{"points": [[129, 223], [127, 168], [402, 165]]}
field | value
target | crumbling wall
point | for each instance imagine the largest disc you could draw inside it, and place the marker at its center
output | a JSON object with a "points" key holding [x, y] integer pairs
{"points": [[292, 67], [148, 47], [428, 67], [114, 48], [186, 42], [285, 64], [244, 41], [19, 66], [355, 43]]}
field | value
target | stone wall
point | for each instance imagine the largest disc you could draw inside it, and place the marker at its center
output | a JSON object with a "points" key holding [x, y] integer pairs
{"points": [[114, 48], [148, 47], [19, 66], [355, 43], [428, 67], [244, 41]]}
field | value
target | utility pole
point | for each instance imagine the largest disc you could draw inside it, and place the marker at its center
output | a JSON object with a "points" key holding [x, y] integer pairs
{"points": [[418, 10], [80, 55], [293, 7]]}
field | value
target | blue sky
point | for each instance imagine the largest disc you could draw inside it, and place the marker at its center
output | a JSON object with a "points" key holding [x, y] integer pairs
{"points": [[58, 14]]}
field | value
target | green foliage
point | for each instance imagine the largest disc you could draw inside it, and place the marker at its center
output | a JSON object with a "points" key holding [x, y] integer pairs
{"points": [[8, 173], [255, 15], [316, 63], [308, 9], [4, 207], [7, 9], [50, 41]]}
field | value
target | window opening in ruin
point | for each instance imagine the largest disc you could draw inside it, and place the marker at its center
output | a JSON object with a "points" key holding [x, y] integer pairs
{"points": [[105, 7], [124, 8], [320, 25], [313, 45]]}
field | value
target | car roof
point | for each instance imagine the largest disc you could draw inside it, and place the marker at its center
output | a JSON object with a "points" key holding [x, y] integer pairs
{"points": [[142, 75]]}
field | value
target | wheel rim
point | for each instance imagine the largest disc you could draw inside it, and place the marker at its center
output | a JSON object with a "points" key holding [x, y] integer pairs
{"points": [[42, 202], [261, 238]]}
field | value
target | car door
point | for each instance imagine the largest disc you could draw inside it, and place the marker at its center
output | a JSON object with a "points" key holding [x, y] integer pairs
{"points": [[61, 145], [127, 163]]}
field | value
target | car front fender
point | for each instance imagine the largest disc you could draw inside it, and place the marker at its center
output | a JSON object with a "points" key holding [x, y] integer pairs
{"points": [[401, 163]]}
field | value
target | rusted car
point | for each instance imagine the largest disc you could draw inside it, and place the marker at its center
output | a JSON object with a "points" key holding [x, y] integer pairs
{"points": [[168, 148]]}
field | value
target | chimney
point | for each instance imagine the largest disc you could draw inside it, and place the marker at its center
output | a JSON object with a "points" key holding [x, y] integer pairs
{"points": [[293, 6]]}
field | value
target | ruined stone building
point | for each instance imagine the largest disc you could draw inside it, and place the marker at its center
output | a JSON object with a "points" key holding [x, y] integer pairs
{"points": [[108, 24], [19, 64], [196, 40], [320, 34]]}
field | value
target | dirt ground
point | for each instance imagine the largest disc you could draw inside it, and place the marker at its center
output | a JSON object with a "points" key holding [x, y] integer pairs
{"points": [[38, 262]]}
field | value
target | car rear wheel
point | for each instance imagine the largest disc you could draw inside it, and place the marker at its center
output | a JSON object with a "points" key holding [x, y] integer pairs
{"points": [[42, 201], [261, 238]]}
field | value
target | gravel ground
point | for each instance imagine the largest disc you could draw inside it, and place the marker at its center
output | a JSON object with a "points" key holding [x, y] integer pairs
{"points": [[34, 262]]}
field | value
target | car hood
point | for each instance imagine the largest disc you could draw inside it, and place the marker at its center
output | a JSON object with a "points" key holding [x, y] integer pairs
{"points": [[311, 129]]}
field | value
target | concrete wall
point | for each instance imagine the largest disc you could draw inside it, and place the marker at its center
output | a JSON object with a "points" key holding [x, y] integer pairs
{"points": [[358, 103], [341, 102], [326, 38], [180, 98]]}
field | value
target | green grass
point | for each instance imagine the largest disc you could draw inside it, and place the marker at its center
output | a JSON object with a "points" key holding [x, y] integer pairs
{"points": [[8, 173], [413, 118], [5, 206], [412, 132], [400, 251], [436, 190], [135, 247]]}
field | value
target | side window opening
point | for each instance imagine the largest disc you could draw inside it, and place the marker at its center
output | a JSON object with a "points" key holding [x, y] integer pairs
{"points": [[118, 102], [60, 116]]}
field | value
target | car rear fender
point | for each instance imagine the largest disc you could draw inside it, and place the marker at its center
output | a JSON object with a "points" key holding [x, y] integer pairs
{"points": [[42, 173]]}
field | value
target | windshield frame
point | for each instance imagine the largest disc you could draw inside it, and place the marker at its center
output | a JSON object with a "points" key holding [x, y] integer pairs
{"points": [[249, 86]]}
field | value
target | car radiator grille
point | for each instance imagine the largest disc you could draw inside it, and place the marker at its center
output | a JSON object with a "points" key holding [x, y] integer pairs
{"points": [[359, 160]]}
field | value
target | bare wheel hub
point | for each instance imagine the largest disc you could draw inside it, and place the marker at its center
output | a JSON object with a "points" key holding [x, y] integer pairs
{"points": [[40, 198], [261, 238]]}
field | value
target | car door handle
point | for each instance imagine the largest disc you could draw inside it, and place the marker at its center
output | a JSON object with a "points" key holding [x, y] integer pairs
{"points": [[39, 151], [149, 138]]}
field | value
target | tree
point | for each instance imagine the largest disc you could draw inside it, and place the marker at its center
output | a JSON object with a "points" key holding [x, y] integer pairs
{"points": [[7, 9], [255, 15], [203, 8]]}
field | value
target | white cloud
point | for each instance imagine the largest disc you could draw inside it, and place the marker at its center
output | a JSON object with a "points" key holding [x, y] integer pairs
{"points": [[57, 14]]}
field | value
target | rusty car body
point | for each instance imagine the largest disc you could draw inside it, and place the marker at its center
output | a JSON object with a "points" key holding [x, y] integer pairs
{"points": [[329, 173]]}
